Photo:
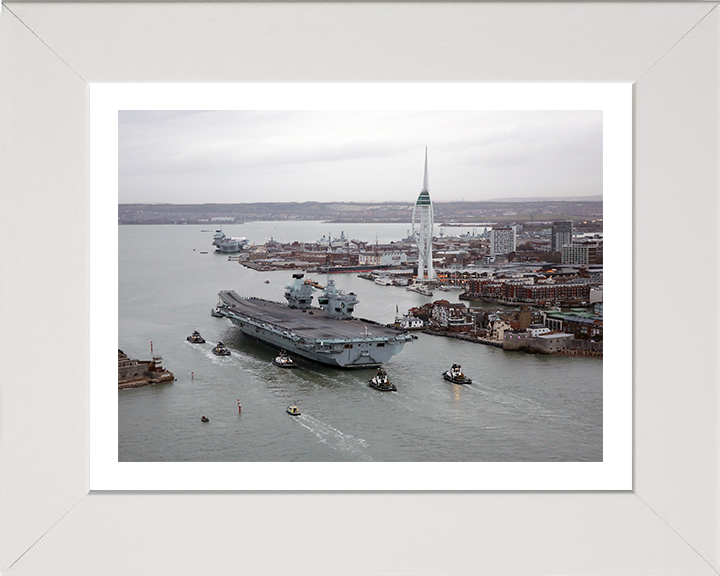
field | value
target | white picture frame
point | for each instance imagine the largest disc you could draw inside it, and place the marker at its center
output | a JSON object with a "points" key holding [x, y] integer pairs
{"points": [[49, 53]]}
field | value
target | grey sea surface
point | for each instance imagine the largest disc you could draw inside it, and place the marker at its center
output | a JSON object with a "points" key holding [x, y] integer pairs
{"points": [[519, 408]]}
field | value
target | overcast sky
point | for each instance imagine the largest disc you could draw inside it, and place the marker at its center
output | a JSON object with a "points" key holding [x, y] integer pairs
{"points": [[296, 156]]}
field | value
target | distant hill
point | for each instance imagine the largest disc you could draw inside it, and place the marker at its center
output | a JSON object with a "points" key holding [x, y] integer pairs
{"points": [[595, 198], [505, 211]]}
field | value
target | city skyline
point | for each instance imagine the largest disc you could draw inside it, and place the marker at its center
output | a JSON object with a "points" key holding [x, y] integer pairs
{"points": [[293, 156]]}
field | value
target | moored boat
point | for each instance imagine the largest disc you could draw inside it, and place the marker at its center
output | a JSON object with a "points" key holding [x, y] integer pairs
{"points": [[221, 350], [195, 338], [284, 361], [456, 376], [381, 382], [420, 289], [227, 245]]}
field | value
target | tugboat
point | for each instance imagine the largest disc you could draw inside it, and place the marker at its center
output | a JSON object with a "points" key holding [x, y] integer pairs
{"points": [[221, 350], [456, 376], [204, 419], [293, 410], [284, 361], [380, 382], [195, 338]]}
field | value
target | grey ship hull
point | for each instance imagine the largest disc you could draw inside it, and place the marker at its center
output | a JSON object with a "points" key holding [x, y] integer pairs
{"points": [[312, 334]]}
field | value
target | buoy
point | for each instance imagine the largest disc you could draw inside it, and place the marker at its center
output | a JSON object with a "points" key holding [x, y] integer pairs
{"points": [[239, 406], [192, 375]]}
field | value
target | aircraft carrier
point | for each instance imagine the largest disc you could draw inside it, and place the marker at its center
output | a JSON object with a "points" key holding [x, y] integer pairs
{"points": [[327, 334]]}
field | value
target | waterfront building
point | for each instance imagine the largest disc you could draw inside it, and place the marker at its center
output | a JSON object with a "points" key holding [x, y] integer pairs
{"points": [[562, 234], [453, 316], [422, 219], [567, 292], [497, 329], [535, 330], [578, 323], [382, 259], [502, 240]]}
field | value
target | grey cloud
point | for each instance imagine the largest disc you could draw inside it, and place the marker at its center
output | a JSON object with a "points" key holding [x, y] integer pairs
{"points": [[209, 156]]}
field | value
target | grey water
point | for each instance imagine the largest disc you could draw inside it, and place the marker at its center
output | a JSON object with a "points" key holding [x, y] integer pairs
{"points": [[519, 408]]}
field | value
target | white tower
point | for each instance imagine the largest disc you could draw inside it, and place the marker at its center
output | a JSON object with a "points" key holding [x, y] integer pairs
{"points": [[422, 220]]}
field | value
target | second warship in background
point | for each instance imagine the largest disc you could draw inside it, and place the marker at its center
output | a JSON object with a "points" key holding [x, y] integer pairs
{"points": [[228, 245], [327, 334]]}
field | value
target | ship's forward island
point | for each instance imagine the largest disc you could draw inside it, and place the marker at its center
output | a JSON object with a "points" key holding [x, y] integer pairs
{"points": [[328, 334]]}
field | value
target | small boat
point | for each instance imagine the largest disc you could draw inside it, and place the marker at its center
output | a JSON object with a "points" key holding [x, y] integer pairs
{"points": [[203, 252], [216, 312], [221, 350], [267, 281], [293, 410], [195, 338], [456, 376], [204, 419], [284, 361], [380, 382], [420, 289], [383, 281]]}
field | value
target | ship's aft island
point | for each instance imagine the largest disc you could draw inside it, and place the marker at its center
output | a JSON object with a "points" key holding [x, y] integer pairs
{"points": [[327, 334]]}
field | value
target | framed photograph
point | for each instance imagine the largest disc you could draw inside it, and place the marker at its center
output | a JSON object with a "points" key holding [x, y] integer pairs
{"points": [[585, 125], [61, 512]]}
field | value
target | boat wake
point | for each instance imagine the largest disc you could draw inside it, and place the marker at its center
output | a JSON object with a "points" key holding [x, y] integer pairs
{"points": [[333, 437], [530, 408]]}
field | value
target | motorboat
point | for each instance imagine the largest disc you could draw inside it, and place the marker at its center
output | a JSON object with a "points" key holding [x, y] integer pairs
{"points": [[284, 361], [456, 376], [381, 382], [420, 289], [195, 338], [204, 419], [383, 281], [293, 410], [221, 350]]}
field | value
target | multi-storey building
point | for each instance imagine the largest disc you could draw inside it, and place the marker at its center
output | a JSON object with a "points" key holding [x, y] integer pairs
{"points": [[502, 240], [578, 254], [576, 291], [454, 316], [561, 235]]}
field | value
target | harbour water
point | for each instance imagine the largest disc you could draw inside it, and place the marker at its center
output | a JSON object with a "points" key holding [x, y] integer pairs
{"points": [[520, 407]]}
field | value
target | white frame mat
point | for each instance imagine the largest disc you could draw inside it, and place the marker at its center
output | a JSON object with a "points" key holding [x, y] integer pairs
{"points": [[613, 472], [50, 522]]}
